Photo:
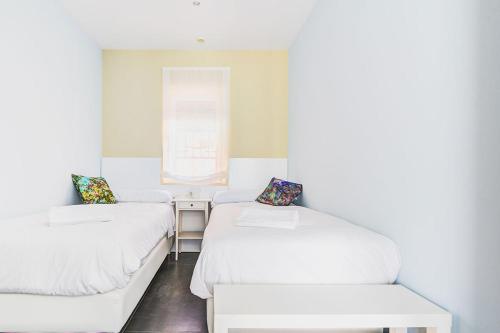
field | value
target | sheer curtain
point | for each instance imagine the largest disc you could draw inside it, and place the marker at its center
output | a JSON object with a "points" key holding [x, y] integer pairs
{"points": [[195, 126]]}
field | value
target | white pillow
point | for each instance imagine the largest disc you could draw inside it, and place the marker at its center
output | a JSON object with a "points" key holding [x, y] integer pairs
{"points": [[76, 214], [232, 196], [161, 196]]}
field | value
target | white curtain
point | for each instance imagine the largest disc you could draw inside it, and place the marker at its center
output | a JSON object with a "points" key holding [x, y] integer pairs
{"points": [[195, 126]]}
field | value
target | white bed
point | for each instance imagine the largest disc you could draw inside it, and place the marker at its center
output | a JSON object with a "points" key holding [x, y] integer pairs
{"points": [[322, 249], [86, 277]]}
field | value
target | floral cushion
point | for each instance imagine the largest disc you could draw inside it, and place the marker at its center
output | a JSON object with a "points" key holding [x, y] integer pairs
{"points": [[280, 193], [93, 190]]}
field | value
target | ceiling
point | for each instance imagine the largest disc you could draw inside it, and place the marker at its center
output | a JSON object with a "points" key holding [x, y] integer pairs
{"points": [[176, 24]]}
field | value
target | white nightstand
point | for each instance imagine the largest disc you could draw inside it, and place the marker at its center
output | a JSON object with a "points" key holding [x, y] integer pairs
{"points": [[186, 203]]}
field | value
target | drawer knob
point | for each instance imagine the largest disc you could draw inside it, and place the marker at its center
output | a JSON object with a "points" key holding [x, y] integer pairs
{"points": [[191, 205]]}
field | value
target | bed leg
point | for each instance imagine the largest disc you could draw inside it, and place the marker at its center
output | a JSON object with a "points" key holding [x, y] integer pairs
{"points": [[438, 329]]}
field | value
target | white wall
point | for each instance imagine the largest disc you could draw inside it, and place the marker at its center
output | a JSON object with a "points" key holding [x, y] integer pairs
{"points": [[50, 106], [395, 125]]}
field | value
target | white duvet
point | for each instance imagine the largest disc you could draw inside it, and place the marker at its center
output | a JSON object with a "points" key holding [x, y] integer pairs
{"points": [[322, 249], [81, 259]]}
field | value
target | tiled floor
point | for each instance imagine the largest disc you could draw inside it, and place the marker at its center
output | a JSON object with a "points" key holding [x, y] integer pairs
{"points": [[169, 306]]}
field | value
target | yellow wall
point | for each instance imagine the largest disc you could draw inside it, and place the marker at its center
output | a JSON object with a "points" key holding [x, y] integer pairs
{"points": [[132, 100]]}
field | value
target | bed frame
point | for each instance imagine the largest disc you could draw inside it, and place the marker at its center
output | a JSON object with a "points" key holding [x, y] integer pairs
{"points": [[107, 312]]}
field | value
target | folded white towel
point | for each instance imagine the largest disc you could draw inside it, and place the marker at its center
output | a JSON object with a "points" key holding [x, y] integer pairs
{"points": [[76, 214], [268, 218]]}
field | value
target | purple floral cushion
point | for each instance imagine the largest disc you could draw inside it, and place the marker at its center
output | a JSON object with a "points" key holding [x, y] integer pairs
{"points": [[280, 193]]}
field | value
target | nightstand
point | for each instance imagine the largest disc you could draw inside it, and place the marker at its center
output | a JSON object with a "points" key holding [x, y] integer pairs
{"points": [[186, 203]]}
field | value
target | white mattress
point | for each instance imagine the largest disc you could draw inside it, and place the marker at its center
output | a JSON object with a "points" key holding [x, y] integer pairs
{"points": [[323, 249], [83, 259]]}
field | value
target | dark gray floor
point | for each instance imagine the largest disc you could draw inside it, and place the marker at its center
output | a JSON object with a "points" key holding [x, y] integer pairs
{"points": [[168, 306]]}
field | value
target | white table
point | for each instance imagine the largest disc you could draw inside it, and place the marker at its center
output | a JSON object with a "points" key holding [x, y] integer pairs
{"points": [[325, 307], [186, 203]]}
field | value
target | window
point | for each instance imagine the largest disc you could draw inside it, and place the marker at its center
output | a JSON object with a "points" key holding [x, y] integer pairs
{"points": [[195, 126]]}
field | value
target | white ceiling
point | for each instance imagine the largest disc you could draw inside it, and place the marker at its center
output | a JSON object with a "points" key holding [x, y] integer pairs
{"points": [[175, 24]]}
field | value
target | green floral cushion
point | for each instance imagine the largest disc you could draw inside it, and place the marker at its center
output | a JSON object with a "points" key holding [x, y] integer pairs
{"points": [[93, 190]]}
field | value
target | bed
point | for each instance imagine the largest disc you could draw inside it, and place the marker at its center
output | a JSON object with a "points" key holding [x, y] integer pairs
{"points": [[85, 277], [323, 249]]}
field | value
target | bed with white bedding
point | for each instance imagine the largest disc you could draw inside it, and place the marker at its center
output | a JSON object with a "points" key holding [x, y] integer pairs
{"points": [[316, 249], [322, 249], [81, 277]]}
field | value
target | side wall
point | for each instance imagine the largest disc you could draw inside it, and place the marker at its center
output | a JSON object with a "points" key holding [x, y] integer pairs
{"points": [[50, 106], [395, 125]]}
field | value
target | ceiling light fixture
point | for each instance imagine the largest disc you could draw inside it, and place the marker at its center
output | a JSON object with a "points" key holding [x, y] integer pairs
{"points": [[196, 3], [200, 40]]}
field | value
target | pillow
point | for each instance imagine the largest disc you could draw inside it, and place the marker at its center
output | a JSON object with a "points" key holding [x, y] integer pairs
{"points": [[160, 196], [93, 190], [232, 196], [280, 193]]}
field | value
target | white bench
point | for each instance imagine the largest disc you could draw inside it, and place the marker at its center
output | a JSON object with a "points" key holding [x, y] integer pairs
{"points": [[325, 307]]}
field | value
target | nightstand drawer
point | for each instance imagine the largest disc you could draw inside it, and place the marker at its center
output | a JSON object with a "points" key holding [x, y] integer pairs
{"points": [[190, 205]]}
